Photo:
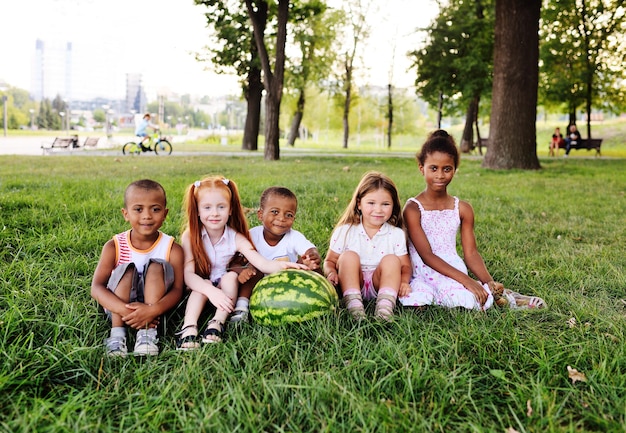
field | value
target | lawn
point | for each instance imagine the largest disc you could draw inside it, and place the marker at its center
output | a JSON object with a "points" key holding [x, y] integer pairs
{"points": [[557, 233]]}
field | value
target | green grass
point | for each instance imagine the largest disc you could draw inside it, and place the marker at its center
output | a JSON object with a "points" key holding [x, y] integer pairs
{"points": [[557, 233]]}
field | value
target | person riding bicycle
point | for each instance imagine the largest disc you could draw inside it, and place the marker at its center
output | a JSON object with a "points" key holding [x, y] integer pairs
{"points": [[140, 131]]}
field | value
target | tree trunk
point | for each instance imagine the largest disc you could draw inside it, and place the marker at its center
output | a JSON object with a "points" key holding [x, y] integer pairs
{"points": [[273, 80], [513, 132], [467, 140], [294, 132], [389, 115], [254, 95], [346, 105]]}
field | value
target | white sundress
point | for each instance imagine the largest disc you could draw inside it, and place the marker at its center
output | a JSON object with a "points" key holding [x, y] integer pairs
{"points": [[429, 287]]}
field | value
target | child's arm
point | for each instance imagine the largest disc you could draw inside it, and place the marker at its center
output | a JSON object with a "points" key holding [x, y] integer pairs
{"points": [[99, 291], [412, 218], [245, 247], [142, 313], [406, 271], [330, 267], [471, 256], [195, 282]]}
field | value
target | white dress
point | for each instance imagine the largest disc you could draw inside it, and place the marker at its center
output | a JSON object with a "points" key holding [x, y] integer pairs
{"points": [[429, 287]]}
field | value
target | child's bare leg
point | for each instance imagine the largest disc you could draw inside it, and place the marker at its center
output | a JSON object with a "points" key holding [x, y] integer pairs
{"points": [[387, 278], [154, 285], [350, 276], [122, 291], [195, 304], [215, 329]]}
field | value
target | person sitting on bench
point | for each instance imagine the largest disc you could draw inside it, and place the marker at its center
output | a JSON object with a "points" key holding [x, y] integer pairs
{"points": [[572, 139]]}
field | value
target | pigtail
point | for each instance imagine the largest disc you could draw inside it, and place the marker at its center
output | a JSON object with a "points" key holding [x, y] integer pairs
{"points": [[194, 228], [237, 220]]}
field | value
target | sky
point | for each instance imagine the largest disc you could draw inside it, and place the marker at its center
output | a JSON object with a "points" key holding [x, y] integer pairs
{"points": [[159, 39]]}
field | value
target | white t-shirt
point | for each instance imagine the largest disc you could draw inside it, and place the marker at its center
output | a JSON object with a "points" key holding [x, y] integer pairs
{"points": [[292, 245], [388, 240]]}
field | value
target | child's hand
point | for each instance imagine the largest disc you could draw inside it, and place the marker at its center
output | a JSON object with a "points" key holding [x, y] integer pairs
{"points": [[246, 274], [312, 259], [333, 277], [221, 300], [292, 265], [405, 289], [142, 316], [478, 291]]}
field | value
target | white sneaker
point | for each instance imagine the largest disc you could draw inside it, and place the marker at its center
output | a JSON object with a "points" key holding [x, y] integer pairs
{"points": [[239, 315], [116, 346], [146, 343]]}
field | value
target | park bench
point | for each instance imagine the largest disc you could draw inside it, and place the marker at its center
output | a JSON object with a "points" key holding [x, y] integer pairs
{"points": [[91, 142], [60, 143], [585, 143], [479, 144]]}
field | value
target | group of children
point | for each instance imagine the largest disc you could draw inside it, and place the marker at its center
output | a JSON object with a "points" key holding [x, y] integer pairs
{"points": [[378, 251]]}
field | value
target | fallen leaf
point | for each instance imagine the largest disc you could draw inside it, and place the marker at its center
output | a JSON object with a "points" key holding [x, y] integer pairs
{"points": [[510, 430], [575, 375], [623, 301], [346, 168], [571, 322], [529, 409]]}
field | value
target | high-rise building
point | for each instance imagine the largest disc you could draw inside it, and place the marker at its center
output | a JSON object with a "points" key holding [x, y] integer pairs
{"points": [[135, 95], [52, 70]]}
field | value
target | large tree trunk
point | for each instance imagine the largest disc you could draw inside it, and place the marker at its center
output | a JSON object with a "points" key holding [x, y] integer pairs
{"points": [[294, 132], [467, 140], [273, 79], [513, 133], [254, 95]]}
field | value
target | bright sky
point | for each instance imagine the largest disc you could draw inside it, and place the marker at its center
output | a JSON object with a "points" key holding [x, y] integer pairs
{"points": [[158, 38]]}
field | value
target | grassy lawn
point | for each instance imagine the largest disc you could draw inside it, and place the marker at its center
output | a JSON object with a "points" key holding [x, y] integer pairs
{"points": [[557, 233]]}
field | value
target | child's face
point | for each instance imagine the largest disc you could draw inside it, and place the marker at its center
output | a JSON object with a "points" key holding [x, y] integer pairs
{"points": [[145, 210], [376, 207], [277, 215], [213, 208], [438, 170]]}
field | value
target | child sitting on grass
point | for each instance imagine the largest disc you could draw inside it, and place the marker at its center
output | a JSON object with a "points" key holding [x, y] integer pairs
{"points": [[274, 239], [139, 275], [367, 255], [216, 229], [433, 218]]}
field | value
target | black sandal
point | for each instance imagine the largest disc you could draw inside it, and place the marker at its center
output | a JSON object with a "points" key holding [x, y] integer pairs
{"points": [[213, 335], [189, 342]]}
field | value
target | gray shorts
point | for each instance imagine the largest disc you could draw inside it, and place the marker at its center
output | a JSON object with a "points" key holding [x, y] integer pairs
{"points": [[138, 282]]}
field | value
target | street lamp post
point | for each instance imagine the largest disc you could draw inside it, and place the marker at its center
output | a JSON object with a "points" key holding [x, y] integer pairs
{"points": [[32, 118], [62, 114]]}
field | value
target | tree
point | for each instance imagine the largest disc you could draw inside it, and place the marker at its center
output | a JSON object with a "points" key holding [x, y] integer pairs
{"points": [[236, 49], [313, 33], [273, 79], [455, 65], [582, 55], [356, 29], [512, 133]]}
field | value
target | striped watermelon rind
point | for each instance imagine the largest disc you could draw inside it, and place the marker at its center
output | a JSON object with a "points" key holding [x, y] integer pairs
{"points": [[292, 295]]}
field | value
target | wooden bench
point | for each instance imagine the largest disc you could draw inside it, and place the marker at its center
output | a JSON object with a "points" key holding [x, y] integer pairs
{"points": [[61, 143], [91, 142], [585, 143], [479, 144]]}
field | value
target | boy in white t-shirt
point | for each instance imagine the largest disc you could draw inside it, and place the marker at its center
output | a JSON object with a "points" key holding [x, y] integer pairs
{"points": [[274, 240]]}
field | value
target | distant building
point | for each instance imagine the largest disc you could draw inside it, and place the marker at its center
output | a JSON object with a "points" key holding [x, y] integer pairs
{"points": [[52, 70], [136, 100]]}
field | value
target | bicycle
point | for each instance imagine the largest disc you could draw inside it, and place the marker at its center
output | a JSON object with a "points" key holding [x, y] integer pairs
{"points": [[156, 144]]}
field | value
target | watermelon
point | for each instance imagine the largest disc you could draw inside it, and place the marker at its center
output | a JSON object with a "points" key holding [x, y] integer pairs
{"points": [[292, 295]]}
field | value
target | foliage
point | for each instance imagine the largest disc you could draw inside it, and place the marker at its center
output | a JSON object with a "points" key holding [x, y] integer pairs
{"points": [[551, 235], [582, 54], [456, 61]]}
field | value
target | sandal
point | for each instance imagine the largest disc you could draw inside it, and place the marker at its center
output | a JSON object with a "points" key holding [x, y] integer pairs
{"points": [[385, 304], [213, 335], [239, 315], [354, 303], [188, 342], [519, 301]]}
